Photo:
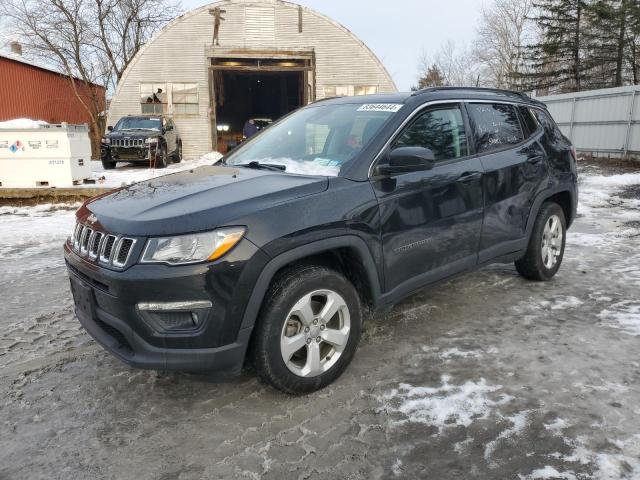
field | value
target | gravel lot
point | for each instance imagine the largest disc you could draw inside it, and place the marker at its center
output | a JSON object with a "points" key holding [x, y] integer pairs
{"points": [[487, 376]]}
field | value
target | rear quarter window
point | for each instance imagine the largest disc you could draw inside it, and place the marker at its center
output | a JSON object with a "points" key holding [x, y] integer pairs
{"points": [[549, 125], [529, 121], [496, 126]]}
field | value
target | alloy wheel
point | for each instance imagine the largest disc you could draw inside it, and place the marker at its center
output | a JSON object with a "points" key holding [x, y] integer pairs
{"points": [[315, 333], [552, 237]]}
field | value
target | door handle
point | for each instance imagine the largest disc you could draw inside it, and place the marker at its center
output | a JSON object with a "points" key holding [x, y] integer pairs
{"points": [[536, 159], [469, 177]]}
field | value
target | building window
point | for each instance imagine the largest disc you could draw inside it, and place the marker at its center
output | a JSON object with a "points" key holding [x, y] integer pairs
{"points": [[366, 90], [349, 90], [185, 98], [153, 98]]}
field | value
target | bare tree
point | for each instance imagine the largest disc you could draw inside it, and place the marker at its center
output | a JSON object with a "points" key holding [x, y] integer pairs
{"points": [[455, 66], [505, 30], [91, 41]]}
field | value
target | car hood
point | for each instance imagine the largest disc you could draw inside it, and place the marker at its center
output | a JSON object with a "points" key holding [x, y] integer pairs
{"points": [[196, 200], [134, 133]]}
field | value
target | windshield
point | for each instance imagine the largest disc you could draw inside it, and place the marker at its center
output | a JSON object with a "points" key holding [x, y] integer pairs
{"points": [[316, 140], [137, 123]]}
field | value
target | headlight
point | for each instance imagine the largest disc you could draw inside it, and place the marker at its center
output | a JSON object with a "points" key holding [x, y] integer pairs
{"points": [[195, 248], [106, 141], [151, 140]]}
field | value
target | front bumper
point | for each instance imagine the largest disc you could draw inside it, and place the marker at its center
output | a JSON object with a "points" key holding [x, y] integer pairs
{"points": [[105, 304]]}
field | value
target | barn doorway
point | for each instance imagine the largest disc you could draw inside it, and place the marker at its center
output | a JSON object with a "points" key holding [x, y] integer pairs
{"points": [[263, 89]]}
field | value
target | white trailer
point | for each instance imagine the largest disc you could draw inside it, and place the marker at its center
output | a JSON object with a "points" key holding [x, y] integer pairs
{"points": [[47, 156]]}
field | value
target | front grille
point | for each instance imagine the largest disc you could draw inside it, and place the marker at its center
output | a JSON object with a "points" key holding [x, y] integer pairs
{"points": [[106, 248], [94, 245], [123, 252], [127, 142]]}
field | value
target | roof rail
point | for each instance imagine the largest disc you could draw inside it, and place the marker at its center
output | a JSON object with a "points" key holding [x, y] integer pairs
{"points": [[512, 93]]}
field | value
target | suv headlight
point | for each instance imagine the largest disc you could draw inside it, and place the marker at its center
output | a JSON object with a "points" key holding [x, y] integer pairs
{"points": [[106, 141], [194, 248], [151, 140]]}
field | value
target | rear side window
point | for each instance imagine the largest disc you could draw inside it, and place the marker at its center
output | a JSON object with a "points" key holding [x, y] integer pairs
{"points": [[550, 127], [439, 129], [497, 126], [529, 122]]}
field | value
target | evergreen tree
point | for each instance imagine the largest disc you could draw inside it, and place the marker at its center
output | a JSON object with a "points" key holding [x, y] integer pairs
{"points": [[431, 78], [557, 59]]}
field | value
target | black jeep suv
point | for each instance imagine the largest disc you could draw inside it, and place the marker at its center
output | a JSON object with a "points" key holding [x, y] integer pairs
{"points": [[150, 139], [345, 205]]}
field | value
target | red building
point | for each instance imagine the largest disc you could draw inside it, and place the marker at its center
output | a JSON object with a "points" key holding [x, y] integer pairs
{"points": [[31, 91]]}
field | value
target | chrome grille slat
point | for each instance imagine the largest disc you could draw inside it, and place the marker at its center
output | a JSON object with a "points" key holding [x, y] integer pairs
{"points": [[106, 248], [127, 142]]}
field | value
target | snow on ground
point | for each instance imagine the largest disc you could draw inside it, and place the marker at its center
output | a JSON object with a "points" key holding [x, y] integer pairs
{"points": [[444, 406], [22, 123], [126, 175], [31, 230], [623, 315]]}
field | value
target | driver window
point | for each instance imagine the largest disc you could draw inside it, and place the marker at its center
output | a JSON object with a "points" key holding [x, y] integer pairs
{"points": [[440, 129]]}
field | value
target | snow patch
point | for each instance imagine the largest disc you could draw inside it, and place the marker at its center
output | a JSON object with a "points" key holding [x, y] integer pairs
{"points": [[312, 167], [457, 353], [624, 316], [518, 422], [22, 123], [549, 472], [556, 426], [444, 406]]}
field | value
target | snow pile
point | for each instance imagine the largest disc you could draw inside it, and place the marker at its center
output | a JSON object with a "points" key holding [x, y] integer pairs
{"points": [[444, 406], [22, 123], [624, 316], [126, 175], [598, 191]]}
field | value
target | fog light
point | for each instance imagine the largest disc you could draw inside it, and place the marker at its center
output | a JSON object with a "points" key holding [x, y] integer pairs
{"points": [[174, 317]]}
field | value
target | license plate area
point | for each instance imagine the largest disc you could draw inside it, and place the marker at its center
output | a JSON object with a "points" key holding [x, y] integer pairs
{"points": [[83, 298]]}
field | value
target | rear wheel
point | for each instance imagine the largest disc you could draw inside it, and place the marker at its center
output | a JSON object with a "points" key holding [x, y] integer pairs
{"points": [[177, 158], [308, 330], [546, 246]]}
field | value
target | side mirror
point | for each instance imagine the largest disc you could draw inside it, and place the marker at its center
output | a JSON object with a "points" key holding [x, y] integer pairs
{"points": [[109, 128], [406, 160]]}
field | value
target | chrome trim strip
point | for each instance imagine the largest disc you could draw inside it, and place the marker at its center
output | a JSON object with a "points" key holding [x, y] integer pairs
{"points": [[102, 258], [92, 239], [173, 306], [85, 233]]}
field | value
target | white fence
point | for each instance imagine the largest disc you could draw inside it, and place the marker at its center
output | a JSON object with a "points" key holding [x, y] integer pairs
{"points": [[600, 122]]}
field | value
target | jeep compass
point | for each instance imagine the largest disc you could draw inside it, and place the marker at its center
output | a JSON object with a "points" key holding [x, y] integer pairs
{"points": [[342, 207]]}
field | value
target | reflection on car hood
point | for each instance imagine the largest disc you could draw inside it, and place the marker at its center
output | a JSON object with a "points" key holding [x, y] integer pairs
{"points": [[197, 200]]}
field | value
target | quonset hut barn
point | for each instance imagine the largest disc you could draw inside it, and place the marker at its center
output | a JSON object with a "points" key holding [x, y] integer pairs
{"points": [[220, 65]]}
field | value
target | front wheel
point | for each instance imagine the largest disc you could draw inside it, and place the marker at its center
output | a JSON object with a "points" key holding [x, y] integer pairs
{"points": [[546, 246], [161, 157], [308, 330]]}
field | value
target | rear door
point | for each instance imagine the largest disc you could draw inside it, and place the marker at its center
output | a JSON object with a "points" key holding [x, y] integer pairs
{"points": [[170, 136], [431, 220], [507, 142]]}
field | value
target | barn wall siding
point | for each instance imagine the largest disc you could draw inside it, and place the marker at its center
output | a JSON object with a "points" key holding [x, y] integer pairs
{"points": [[27, 91], [178, 54]]}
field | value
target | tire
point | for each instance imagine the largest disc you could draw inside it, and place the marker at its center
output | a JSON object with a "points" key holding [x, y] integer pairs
{"points": [[161, 157], [177, 157], [280, 329], [540, 263], [108, 165]]}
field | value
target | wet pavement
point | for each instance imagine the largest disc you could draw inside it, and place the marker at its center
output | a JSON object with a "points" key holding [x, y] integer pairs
{"points": [[487, 376]]}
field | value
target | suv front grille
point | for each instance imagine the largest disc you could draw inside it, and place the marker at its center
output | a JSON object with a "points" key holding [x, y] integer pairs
{"points": [[127, 142], [105, 248]]}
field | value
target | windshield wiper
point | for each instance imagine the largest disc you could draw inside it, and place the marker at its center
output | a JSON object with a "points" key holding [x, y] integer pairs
{"points": [[263, 166]]}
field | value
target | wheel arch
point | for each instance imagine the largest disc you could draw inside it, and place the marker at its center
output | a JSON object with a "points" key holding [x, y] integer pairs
{"points": [[349, 254], [563, 196]]}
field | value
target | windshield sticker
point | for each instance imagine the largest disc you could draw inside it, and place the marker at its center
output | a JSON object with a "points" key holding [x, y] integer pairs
{"points": [[380, 107]]}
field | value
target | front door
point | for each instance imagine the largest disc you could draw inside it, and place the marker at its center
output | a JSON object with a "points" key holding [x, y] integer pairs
{"points": [[431, 221]]}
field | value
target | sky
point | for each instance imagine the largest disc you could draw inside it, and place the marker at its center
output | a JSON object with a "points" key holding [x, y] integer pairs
{"points": [[398, 31]]}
